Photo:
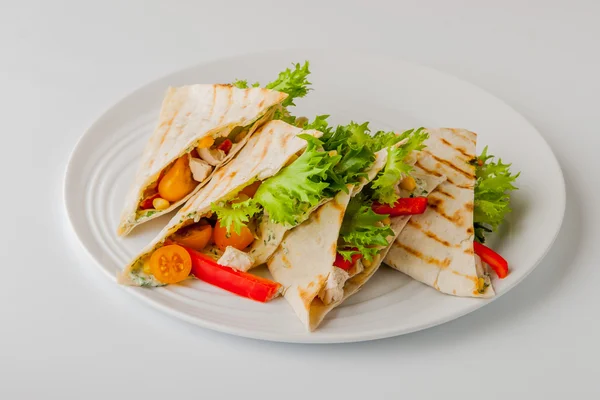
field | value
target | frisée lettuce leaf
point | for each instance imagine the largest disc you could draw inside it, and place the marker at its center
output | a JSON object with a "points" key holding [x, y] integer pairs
{"points": [[362, 230], [243, 84], [355, 146], [235, 215], [300, 186], [292, 81], [492, 193]]}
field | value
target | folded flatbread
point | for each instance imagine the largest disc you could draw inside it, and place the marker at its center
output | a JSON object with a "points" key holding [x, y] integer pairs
{"points": [[303, 263], [266, 153], [436, 247], [191, 115]]}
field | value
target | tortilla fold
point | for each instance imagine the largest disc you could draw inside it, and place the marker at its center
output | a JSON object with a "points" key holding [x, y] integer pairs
{"points": [[189, 114]]}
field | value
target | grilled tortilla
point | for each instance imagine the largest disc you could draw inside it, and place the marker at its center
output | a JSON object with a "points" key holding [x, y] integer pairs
{"points": [[190, 114], [436, 248], [266, 153], [303, 263]]}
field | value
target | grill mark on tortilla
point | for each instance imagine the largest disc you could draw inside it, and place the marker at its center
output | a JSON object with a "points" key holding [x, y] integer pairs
{"points": [[286, 262], [229, 103], [449, 180], [449, 164], [434, 201], [428, 259], [459, 133], [437, 206], [308, 296], [435, 237], [459, 149], [214, 102], [168, 125], [465, 186], [414, 223], [429, 234], [429, 171], [284, 140], [341, 216], [470, 230], [469, 207], [317, 214], [321, 279], [469, 277], [442, 191], [469, 251], [269, 136], [341, 209]]}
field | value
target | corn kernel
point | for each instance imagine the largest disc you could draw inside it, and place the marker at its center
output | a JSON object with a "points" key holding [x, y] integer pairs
{"points": [[146, 268], [408, 183], [366, 262], [480, 285], [206, 142], [160, 204], [386, 221]]}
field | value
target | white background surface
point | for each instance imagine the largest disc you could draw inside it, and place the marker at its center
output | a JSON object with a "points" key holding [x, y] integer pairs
{"points": [[65, 329]]}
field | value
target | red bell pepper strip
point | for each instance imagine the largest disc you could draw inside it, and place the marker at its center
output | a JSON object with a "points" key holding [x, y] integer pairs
{"points": [[344, 264], [225, 146], [403, 206], [493, 259], [146, 204], [234, 281]]}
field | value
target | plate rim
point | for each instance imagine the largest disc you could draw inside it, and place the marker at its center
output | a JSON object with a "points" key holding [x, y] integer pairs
{"points": [[314, 337]]}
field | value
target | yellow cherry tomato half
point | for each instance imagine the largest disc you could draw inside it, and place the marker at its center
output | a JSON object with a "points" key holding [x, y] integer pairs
{"points": [[239, 241], [195, 236], [170, 264], [177, 182]]}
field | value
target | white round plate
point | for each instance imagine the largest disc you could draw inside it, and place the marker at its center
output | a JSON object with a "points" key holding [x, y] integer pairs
{"points": [[349, 86]]}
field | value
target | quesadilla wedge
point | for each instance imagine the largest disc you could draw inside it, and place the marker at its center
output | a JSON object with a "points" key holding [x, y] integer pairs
{"points": [[266, 153], [200, 128], [337, 250], [436, 247]]}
